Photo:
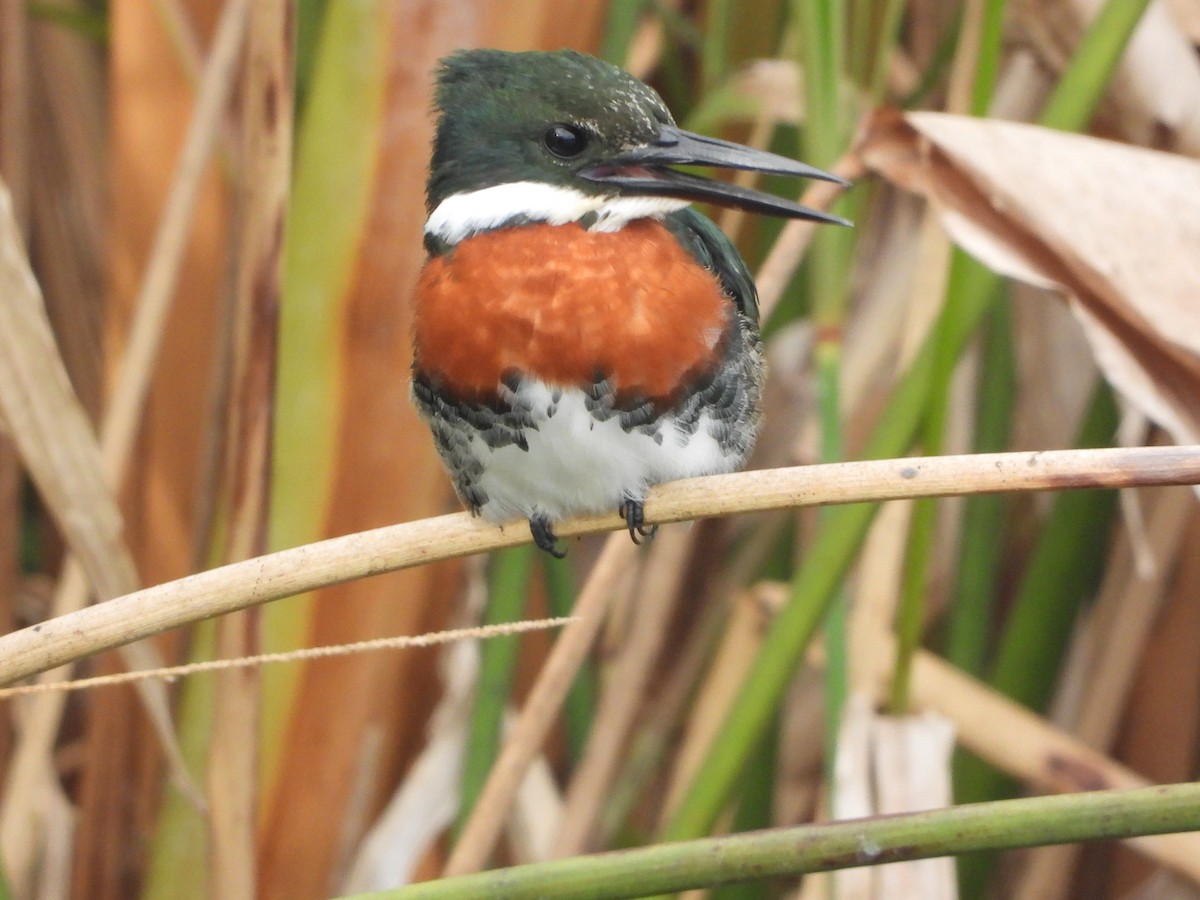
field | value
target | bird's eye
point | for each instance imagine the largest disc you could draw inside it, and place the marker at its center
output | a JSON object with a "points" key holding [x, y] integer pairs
{"points": [[565, 141]]}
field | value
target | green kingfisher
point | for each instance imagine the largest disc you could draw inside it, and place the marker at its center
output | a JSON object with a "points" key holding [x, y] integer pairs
{"points": [[580, 333]]}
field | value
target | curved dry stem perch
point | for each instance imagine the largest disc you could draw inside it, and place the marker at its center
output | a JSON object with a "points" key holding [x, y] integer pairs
{"points": [[240, 585]]}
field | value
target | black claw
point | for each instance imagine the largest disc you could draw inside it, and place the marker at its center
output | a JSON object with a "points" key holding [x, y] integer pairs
{"points": [[543, 535], [635, 520]]}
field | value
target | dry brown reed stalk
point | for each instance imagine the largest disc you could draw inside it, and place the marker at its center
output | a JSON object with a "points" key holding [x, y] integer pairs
{"points": [[1161, 724], [740, 639], [68, 200], [30, 767], [153, 303], [287, 572], [788, 250], [49, 426], [54, 438], [14, 107], [1104, 660], [14, 171], [265, 169], [483, 827], [625, 685]]}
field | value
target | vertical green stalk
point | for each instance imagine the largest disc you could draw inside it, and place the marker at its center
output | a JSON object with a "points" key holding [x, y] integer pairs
{"points": [[715, 48], [310, 15], [1084, 80], [337, 146], [966, 276], [973, 597], [874, 27], [837, 668], [181, 839], [979, 553], [822, 37], [755, 811], [860, 21], [987, 66], [953, 329], [875, 80], [619, 28], [822, 40], [910, 612], [1063, 572], [508, 587], [1065, 569]]}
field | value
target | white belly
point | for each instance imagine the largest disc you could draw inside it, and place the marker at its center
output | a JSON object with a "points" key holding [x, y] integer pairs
{"points": [[578, 464]]}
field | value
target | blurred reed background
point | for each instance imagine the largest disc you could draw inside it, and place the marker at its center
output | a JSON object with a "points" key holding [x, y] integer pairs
{"points": [[216, 271]]}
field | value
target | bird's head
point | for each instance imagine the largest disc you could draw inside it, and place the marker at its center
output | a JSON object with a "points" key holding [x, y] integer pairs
{"points": [[564, 137]]}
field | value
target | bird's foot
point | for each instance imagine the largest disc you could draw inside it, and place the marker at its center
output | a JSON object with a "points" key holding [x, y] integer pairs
{"points": [[542, 530], [635, 520]]}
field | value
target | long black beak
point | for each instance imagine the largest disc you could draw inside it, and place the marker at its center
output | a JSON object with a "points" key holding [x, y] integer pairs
{"points": [[643, 171]]}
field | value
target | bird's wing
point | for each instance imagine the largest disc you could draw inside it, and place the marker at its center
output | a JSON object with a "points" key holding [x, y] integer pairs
{"points": [[706, 242]]}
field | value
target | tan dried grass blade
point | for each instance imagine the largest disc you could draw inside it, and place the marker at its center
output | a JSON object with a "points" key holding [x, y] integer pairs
{"points": [[56, 443], [47, 424]]}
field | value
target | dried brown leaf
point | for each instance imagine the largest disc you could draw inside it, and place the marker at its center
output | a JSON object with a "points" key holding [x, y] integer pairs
{"points": [[68, 194], [1115, 227]]}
